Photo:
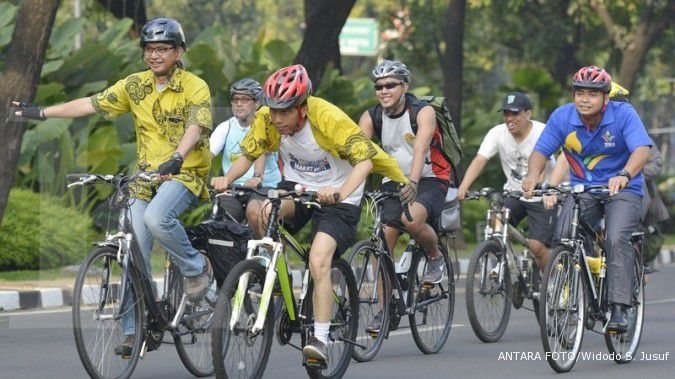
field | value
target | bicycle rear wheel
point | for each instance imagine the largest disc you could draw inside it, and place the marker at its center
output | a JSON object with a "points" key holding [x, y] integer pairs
{"points": [[344, 321], [562, 310], [624, 345], [434, 305], [374, 288], [98, 311], [487, 302], [193, 337], [238, 352]]}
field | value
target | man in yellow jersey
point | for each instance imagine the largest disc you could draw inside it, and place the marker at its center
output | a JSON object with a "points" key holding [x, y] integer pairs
{"points": [[325, 151]]}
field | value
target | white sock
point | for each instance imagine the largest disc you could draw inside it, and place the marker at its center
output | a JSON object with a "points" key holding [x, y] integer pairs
{"points": [[321, 330]]}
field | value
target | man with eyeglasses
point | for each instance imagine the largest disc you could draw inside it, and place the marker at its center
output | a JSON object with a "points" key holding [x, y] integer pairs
{"points": [[245, 96], [171, 109], [514, 141], [410, 143]]}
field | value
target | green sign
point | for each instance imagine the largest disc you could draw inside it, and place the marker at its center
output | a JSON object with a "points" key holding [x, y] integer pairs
{"points": [[359, 36]]}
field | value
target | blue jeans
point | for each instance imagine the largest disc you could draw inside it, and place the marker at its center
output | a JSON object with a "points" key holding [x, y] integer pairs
{"points": [[158, 219]]}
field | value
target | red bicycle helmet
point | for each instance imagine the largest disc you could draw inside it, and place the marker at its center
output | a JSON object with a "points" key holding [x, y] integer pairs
{"points": [[592, 77], [287, 87]]}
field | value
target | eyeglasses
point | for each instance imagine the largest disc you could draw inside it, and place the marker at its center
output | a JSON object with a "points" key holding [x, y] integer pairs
{"points": [[241, 100], [162, 50], [511, 113], [379, 87]]}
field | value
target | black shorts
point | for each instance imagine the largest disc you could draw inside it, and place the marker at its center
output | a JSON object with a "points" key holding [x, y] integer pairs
{"points": [[338, 220], [540, 222], [430, 193], [235, 206]]}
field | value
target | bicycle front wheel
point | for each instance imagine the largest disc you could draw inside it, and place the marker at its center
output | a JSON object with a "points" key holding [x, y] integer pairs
{"points": [[374, 288], [562, 310], [343, 323], [624, 345], [193, 337], [487, 302], [433, 305], [98, 311], [238, 351]]}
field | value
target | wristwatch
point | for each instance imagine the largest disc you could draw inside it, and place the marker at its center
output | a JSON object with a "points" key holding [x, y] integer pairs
{"points": [[177, 156], [257, 175], [625, 173]]}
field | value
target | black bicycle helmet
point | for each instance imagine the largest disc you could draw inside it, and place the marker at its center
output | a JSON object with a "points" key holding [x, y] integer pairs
{"points": [[163, 29]]}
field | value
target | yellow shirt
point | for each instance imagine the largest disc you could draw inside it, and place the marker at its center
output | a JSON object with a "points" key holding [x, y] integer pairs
{"points": [[334, 132], [161, 119]]}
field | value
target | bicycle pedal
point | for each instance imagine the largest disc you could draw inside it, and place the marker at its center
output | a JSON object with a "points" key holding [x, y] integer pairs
{"points": [[313, 362], [428, 286], [373, 334]]}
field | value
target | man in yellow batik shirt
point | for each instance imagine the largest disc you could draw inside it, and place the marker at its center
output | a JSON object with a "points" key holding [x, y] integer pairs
{"points": [[171, 109]]}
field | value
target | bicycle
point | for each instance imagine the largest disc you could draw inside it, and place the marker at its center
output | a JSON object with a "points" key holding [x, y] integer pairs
{"points": [[113, 281], [244, 321], [391, 291], [489, 287], [576, 292]]}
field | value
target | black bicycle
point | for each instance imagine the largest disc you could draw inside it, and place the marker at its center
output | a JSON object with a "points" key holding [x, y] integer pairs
{"points": [[574, 292], [490, 287], [389, 291], [244, 319], [113, 282]]}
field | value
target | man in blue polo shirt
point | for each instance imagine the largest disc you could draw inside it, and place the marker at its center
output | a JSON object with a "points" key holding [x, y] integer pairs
{"points": [[604, 143]]}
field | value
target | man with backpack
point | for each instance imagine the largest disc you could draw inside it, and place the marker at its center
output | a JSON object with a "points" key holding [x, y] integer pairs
{"points": [[514, 140], [407, 129]]}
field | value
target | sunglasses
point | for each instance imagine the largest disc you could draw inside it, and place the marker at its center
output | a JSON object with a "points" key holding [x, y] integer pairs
{"points": [[379, 87]]}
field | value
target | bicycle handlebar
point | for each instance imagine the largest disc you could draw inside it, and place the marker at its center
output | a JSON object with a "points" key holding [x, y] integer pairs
{"points": [[377, 195], [87, 178]]}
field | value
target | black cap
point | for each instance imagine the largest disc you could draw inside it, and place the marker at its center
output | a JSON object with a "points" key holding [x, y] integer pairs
{"points": [[516, 102]]}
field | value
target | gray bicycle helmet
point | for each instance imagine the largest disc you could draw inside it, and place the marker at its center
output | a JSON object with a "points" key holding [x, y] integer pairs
{"points": [[163, 29], [393, 69], [248, 87]]}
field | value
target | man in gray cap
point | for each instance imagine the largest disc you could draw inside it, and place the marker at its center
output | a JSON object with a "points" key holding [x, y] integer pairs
{"points": [[514, 140]]}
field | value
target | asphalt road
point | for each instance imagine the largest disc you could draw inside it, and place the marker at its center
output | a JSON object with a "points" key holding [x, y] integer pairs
{"points": [[40, 345]]}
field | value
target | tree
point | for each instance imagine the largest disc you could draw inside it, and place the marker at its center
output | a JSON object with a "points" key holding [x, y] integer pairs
{"points": [[320, 45], [20, 78], [635, 40], [453, 58], [133, 9]]}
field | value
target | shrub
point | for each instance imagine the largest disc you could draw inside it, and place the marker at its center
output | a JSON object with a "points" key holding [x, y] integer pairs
{"points": [[38, 232]]}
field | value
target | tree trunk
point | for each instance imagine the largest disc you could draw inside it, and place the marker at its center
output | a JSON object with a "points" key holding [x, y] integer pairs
{"points": [[324, 20], [19, 80], [133, 9], [453, 63], [453, 60]]}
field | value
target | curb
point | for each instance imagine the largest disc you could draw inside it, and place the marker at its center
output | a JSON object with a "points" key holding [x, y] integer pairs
{"points": [[42, 298]]}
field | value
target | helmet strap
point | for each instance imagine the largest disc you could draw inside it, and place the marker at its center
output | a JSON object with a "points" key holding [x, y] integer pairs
{"points": [[396, 108], [301, 119]]}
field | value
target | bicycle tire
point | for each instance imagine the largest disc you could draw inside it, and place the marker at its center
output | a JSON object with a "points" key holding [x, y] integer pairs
{"points": [[562, 336], [226, 360], [344, 322], [482, 259], [624, 346], [193, 337], [425, 333], [362, 261], [106, 294]]}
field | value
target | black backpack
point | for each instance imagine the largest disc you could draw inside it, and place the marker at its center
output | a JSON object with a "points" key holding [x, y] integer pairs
{"points": [[450, 146], [224, 241]]}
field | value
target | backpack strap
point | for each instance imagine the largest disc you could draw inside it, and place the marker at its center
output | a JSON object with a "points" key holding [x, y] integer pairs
{"points": [[375, 113]]}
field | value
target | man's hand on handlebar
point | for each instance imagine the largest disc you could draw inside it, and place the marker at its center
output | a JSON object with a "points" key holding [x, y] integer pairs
{"points": [[220, 183], [328, 195], [528, 185]]}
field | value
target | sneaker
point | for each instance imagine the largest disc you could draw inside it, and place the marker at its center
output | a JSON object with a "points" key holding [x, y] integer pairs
{"points": [[376, 324], [435, 269], [126, 347], [197, 286], [315, 352]]}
